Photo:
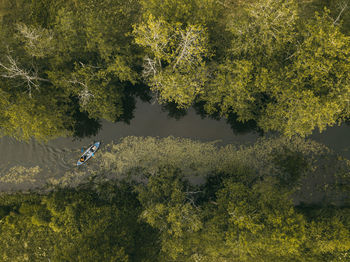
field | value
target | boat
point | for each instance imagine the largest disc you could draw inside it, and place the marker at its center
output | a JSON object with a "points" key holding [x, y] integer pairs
{"points": [[88, 153]]}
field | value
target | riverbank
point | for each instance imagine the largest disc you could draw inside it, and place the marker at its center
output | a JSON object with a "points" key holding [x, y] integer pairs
{"points": [[312, 171]]}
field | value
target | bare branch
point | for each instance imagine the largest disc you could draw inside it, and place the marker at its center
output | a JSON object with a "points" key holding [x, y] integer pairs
{"points": [[343, 7], [149, 67], [75, 81], [29, 33], [38, 41], [187, 43], [84, 96], [29, 77]]}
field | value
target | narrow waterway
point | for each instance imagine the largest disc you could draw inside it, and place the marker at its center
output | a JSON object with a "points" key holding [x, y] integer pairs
{"points": [[60, 155]]}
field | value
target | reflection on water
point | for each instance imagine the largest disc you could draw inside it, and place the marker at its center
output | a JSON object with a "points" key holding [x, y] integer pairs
{"points": [[336, 138], [84, 126], [141, 118], [132, 92], [237, 127], [87, 127], [60, 155], [173, 111]]}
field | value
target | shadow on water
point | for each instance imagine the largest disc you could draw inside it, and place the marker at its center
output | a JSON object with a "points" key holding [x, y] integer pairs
{"points": [[131, 92], [238, 127], [241, 128], [84, 126], [173, 111], [81, 125]]}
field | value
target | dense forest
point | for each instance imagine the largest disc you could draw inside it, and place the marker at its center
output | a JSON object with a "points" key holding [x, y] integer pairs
{"points": [[282, 65], [168, 220], [175, 199]]}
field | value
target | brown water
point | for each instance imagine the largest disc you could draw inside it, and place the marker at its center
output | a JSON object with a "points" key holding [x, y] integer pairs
{"points": [[60, 155]]}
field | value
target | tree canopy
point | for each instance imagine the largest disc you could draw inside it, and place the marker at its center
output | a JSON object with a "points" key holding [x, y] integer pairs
{"points": [[228, 218], [282, 64]]}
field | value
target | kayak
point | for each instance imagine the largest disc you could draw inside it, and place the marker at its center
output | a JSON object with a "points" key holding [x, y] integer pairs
{"points": [[88, 153]]}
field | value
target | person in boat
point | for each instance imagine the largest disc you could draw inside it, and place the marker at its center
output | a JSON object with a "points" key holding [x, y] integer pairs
{"points": [[93, 149], [82, 159]]}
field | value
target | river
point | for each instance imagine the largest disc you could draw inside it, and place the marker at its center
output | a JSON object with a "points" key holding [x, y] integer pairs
{"points": [[60, 155]]}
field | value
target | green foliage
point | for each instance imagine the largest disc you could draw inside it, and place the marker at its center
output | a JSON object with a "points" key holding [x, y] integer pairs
{"points": [[20, 175], [318, 82], [232, 86], [93, 43], [183, 11], [189, 201], [287, 74], [243, 212], [167, 204], [210, 14], [75, 225], [260, 222], [239, 221], [38, 41], [136, 156], [277, 63], [292, 164], [175, 64], [98, 94], [263, 27], [328, 233], [58, 51], [41, 117]]}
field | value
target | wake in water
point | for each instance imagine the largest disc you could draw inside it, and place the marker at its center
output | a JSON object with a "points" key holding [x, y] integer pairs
{"points": [[31, 165]]}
